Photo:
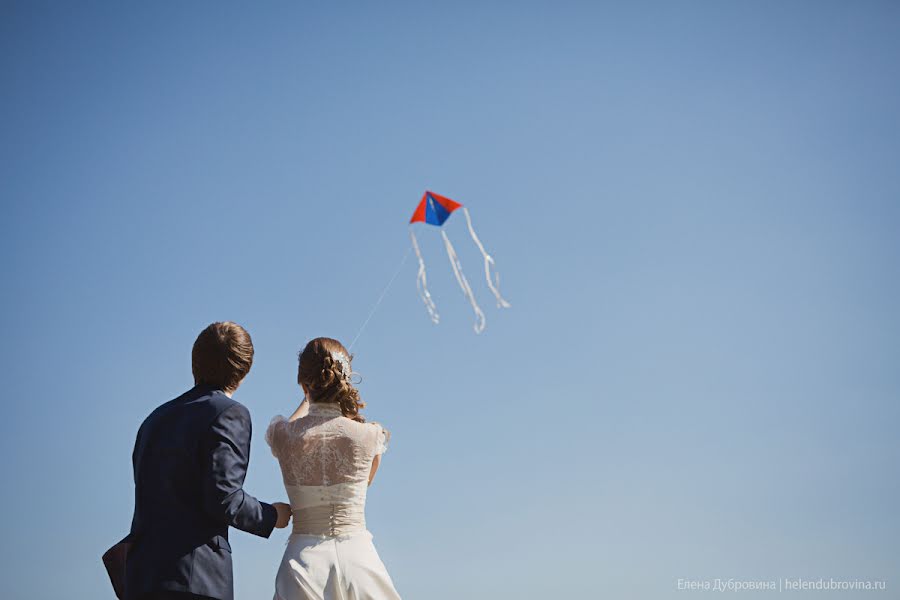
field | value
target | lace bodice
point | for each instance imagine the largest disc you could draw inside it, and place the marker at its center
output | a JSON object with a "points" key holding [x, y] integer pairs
{"points": [[325, 461]]}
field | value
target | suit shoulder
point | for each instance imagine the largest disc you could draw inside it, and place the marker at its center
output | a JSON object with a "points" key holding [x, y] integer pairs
{"points": [[223, 404], [160, 410], [220, 401]]}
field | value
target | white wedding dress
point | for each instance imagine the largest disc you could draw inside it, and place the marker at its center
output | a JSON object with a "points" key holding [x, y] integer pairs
{"points": [[325, 460]]}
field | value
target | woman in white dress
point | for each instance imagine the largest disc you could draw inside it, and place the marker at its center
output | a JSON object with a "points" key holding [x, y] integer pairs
{"points": [[328, 456]]}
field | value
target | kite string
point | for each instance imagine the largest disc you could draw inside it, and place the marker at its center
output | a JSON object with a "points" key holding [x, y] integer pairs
{"points": [[380, 298]]}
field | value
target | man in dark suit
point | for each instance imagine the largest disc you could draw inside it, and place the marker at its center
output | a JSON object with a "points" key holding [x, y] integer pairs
{"points": [[190, 460]]}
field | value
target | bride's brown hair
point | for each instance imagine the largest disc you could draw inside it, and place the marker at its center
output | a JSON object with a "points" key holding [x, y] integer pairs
{"points": [[325, 378]]}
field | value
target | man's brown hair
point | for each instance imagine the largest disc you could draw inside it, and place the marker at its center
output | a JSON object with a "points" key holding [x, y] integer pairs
{"points": [[222, 356]]}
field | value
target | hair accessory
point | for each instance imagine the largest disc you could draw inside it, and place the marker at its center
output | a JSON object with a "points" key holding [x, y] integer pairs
{"points": [[341, 359]]}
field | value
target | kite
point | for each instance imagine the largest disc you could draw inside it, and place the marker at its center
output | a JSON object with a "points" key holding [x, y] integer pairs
{"points": [[435, 210]]}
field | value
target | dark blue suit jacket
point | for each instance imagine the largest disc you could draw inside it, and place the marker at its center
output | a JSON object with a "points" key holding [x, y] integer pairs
{"points": [[190, 461]]}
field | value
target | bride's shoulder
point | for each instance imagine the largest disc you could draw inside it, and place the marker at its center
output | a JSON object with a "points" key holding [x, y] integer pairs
{"points": [[277, 422], [275, 433], [367, 426], [379, 436]]}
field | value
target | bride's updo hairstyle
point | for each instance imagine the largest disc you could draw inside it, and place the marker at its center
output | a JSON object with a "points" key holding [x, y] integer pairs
{"points": [[325, 371]]}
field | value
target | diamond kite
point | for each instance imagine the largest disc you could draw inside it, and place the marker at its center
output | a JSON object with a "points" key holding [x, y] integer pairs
{"points": [[435, 210]]}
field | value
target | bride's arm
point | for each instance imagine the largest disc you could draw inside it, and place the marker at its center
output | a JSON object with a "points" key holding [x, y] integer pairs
{"points": [[375, 462], [301, 411]]}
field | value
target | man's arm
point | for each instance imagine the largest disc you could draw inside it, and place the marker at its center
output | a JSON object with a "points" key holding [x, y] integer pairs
{"points": [[229, 455]]}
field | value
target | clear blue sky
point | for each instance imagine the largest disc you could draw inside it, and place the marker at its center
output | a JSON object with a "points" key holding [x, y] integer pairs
{"points": [[694, 209]]}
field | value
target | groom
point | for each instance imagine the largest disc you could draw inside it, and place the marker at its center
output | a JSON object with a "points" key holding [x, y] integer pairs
{"points": [[190, 460]]}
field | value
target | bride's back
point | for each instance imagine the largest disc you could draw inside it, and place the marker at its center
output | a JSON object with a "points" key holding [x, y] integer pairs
{"points": [[324, 448], [325, 461]]}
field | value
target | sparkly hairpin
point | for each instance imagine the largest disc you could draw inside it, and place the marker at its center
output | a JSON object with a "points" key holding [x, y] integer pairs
{"points": [[341, 359]]}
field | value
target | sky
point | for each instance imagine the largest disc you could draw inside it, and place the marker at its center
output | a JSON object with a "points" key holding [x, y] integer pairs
{"points": [[693, 207]]}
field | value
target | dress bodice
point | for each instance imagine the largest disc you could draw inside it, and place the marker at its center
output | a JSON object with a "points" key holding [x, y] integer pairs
{"points": [[325, 461]]}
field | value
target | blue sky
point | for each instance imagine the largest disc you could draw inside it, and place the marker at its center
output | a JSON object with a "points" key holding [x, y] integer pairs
{"points": [[694, 211]]}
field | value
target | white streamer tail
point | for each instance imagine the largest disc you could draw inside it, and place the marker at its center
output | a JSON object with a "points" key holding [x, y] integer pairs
{"points": [[463, 283], [422, 282], [489, 264]]}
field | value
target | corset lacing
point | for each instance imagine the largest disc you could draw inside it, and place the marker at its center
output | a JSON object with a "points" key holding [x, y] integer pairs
{"points": [[329, 519]]}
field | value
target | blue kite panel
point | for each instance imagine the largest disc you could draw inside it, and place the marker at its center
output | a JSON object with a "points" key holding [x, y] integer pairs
{"points": [[435, 213]]}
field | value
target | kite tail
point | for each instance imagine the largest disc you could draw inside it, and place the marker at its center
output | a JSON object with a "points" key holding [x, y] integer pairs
{"points": [[422, 283], [493, 283], [463, 283]]}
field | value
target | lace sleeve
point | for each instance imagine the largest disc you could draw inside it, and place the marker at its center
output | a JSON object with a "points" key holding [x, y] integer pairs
{"points": [[382, 436], [275, 434]]}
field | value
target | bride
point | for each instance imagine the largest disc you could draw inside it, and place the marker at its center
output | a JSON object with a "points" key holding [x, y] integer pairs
{"points": [[328, 456]]}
